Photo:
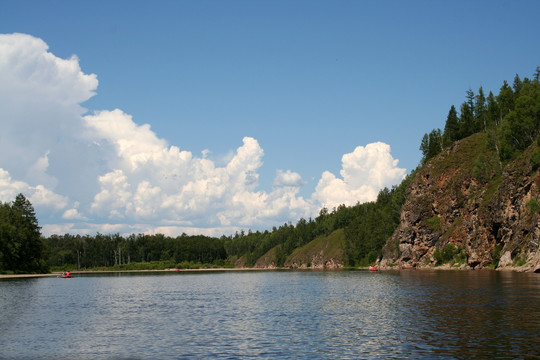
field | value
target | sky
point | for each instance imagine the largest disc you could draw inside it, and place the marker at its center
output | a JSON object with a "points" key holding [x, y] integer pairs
{"points": [[211, 117]]}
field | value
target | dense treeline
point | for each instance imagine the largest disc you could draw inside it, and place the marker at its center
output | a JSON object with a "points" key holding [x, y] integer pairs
{"points": [[101, 250], [510, 119], [21, 246]]}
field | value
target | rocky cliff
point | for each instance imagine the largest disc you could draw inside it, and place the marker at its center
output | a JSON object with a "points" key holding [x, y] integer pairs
{"points": [[464, 209]]}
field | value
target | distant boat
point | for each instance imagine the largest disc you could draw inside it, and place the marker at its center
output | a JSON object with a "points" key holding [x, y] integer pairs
{"points": [[66, 275], [373, 268]]}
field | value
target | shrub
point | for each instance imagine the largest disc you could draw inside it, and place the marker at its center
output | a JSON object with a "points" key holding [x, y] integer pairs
{"points": [[460, 256], [519, 261], [446, 254], [534, 206], [496, 255], [449, 253], [434, 223], [535, 159]]}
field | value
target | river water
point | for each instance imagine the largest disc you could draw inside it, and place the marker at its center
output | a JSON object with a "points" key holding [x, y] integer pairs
{"points": [[273, 315]]}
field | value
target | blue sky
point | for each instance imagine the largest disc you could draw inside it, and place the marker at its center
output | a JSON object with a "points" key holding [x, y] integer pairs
{"points": [[295, 86]]}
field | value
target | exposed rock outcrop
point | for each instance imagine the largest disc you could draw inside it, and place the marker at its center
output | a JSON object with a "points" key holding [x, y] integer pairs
{"points": [[464, 210]]}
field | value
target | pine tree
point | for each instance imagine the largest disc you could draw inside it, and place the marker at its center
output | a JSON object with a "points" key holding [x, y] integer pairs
{"points": [[431, 144], [480, 111], [492, 111], [506, 100], [517, 85], [466, 121], [451, 128], [20, 238], [521, 125]]}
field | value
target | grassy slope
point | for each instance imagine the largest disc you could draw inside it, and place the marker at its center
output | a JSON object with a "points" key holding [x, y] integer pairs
{"points": [[319, 251]]}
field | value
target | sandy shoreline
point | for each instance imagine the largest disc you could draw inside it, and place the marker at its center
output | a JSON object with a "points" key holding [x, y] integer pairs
{"points": [[15, 276]]}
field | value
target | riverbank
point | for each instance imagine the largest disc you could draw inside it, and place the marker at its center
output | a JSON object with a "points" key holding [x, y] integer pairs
{"points": [[15, 276], [74, 273]]}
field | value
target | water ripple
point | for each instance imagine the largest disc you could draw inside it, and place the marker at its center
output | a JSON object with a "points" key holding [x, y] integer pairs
{"points": [[273, 315]]}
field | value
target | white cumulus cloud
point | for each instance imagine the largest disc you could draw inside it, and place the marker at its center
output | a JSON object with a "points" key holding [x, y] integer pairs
{"points": [[41, 125], [103, 171], [365, 172], [38, 195], [288, 178]]}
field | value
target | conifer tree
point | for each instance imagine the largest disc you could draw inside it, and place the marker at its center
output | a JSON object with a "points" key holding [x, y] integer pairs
{"points": [[451, 128], [517, 85], [480, 111], [20, 238], [492, 111], [466, 121]]}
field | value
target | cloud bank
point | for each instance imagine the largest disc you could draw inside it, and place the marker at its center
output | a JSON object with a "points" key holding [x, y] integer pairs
{"points": [[102, 171]]}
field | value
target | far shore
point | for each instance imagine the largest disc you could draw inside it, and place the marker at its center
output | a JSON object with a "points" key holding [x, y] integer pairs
{"points": [[77, 272]]}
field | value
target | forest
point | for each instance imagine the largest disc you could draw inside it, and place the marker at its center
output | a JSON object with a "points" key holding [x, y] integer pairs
{"points": [[511, 120]]}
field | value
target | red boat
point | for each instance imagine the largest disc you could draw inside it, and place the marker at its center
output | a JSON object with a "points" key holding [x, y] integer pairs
{"points": [[373, 268]]}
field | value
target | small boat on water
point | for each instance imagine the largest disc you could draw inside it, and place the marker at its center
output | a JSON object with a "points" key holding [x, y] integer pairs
{"points": [[66, 275], [373, 268]]}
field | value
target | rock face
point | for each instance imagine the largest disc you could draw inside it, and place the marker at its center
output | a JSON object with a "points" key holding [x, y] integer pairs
{"points": [[316, 262], [465, 210]]}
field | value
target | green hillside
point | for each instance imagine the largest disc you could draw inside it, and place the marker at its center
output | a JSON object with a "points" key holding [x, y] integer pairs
{"points": [[325, 252]]}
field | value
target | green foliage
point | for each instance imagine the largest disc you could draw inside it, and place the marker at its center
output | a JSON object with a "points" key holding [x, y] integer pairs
{"points": [[534, 206], [535, 159], [480, 111], [496, 255], [511, 119], [450, 253], [466, 123], [519, 260], [21, 246], [451, 128], [149, 251], [520, 127], [431, 145], [332, 245], [482, 169], [445, 255], [434, 223], [374, 224]]}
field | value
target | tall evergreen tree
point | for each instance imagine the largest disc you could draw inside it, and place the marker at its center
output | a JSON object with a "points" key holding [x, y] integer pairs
{"points": [[8, 246], [517, 85], [522, 124], [506, 100], [492, 111], [20, 237], [480, 111], [451, 128], [431, 144], [466, 121], [536, 76]]}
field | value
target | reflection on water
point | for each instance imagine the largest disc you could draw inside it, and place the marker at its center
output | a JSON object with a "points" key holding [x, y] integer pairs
{"points": [[321, 315]]}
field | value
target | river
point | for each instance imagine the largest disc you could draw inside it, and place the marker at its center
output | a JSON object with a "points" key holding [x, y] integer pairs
{"points": [[273, 315]]}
